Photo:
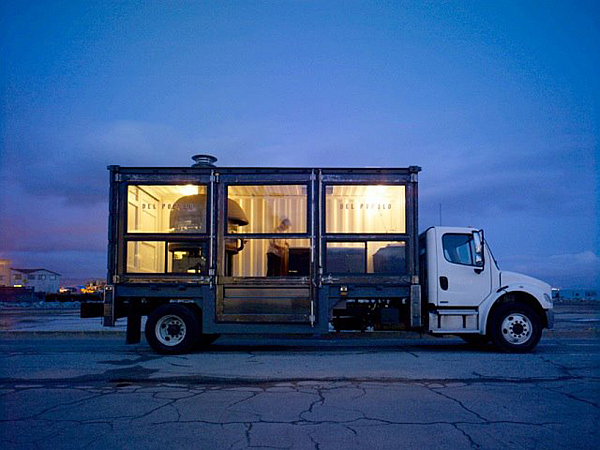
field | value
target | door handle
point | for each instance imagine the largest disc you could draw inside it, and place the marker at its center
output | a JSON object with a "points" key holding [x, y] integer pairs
{"points": [[444, 283]]}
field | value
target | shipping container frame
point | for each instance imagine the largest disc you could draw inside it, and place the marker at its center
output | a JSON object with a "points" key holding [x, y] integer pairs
{"points": [[129, 291]]}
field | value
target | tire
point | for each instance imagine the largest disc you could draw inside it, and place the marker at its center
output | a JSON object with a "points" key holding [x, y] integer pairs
{"points": [[516, 328], [475, 339], [172, 329]]}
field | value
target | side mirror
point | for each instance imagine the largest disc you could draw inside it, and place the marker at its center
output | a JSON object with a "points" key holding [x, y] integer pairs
{"points": [[478, 241]]}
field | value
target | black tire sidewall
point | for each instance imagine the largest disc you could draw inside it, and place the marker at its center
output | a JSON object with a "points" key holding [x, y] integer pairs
{"points": [[189, 318], [504, 311]]}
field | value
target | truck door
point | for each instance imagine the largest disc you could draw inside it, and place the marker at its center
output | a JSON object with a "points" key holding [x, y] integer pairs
{"points": [[265, 248], [461, 282]]}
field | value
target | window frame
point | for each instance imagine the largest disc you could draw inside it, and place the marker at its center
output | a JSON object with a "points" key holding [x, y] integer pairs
{"points": [[301, 235], [365, 236], [148, 233], [201, 239], [306, 235], [365, 184], [366, 257], [471, 246], [165, 255]]}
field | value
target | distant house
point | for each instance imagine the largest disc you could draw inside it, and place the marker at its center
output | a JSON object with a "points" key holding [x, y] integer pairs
{"points": [[5, 272], [41, 280]]}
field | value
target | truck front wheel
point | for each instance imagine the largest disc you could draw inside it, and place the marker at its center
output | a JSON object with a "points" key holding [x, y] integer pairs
{"points": [[172, 329], [516, 328]]}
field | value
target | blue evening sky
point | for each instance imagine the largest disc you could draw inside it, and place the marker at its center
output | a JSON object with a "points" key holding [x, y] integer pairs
{"points": [[498, 101]]}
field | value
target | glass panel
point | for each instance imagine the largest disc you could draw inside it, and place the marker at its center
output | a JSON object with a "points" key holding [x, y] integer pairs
{"points": [[267, 209], [182, 257], [386, 257], [188, 257], [458, 248], [374, 257], [267, 257], [365, 209], [166, 209], [346, 257], [145, 257]]}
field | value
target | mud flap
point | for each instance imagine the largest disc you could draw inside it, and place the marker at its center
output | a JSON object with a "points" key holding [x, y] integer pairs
{"points": [[415, 306], [134, 323]]}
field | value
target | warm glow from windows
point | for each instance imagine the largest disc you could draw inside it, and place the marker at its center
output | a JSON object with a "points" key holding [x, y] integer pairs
{"points": [[365, 209], [189, 189]]}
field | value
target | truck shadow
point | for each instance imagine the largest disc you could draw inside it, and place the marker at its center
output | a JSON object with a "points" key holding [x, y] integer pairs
{"points": [[291, 346]]}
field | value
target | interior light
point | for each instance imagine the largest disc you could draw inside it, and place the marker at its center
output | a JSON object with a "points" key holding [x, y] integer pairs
{"points": [[376, 191], [189, 189]]}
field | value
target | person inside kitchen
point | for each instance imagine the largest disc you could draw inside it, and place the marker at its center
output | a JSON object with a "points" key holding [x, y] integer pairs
{"points": [[277, 251]]}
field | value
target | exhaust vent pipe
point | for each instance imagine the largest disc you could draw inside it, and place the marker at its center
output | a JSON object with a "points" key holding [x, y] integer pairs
{"points": [[204, 161]]}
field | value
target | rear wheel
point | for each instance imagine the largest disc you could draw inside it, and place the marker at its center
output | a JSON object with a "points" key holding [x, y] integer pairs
{"points": [[516, 328], [172, 329]]}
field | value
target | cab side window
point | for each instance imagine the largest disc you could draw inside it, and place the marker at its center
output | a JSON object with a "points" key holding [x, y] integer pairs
{"points": [[459, 249]]}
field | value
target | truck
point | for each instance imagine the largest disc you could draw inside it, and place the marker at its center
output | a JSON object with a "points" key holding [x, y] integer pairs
{"points": [[205, 251]]}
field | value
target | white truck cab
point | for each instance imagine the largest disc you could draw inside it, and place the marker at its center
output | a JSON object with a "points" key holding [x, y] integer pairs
{"points": [[467, 294]]}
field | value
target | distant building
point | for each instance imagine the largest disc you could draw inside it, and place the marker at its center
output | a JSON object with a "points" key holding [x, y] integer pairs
{"points": [[5, 272], [41, 280], [574, 294]]}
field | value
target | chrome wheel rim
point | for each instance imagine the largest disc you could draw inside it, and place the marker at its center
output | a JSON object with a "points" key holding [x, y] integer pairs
{"points": [[516, 328], [170, 330]]}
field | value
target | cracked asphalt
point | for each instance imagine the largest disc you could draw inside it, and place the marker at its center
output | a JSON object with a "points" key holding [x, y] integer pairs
{"points": [[284, 393]]}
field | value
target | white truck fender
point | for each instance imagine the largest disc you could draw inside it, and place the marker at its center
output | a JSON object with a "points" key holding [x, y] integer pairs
{"points": [[530, 289]]}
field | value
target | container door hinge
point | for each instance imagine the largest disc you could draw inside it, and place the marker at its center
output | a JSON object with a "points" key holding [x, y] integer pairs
{"points": [[211, 277], [118, 177], [116, 279], [214, 178]]}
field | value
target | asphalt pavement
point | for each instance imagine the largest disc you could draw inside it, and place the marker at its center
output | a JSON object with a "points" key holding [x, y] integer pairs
{"points": [[65, 387]]}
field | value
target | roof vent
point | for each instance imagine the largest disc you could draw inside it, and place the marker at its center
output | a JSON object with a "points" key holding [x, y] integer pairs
{"points": [[204, 161]]}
